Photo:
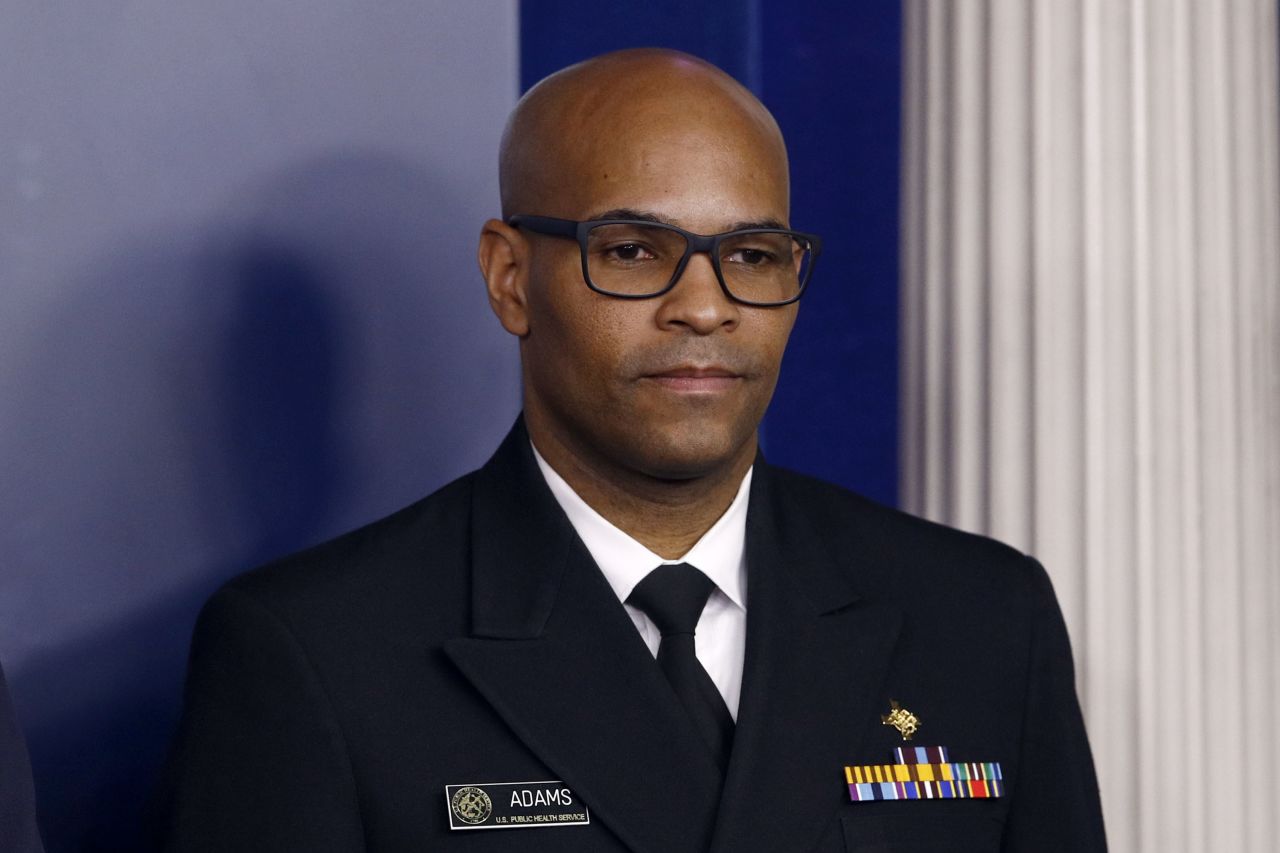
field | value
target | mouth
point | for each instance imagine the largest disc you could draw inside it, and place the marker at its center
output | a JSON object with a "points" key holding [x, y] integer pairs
{"points": [[696, 379]]}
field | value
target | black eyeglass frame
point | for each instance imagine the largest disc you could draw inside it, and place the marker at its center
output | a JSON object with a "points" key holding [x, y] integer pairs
{"points": [[694, 243]]}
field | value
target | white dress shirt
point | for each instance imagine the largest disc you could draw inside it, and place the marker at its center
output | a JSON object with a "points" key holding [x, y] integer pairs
{"points": [[720, 639]]}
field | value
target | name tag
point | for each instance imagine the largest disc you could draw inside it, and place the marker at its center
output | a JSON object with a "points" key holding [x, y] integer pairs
{"points": [[513, 805]]}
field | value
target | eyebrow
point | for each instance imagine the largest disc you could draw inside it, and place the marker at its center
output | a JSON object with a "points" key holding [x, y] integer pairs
{"points": [[647, 216]]}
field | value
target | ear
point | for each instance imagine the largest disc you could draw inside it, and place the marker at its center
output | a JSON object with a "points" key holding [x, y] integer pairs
{"points": [[504, 262]]}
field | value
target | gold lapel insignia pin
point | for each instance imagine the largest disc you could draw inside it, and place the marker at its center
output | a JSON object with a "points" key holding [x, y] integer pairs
{"points": [[901, 719]]}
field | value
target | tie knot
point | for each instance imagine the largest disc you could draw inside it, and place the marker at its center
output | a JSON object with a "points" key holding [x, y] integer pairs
{"points": [[673, 597]]}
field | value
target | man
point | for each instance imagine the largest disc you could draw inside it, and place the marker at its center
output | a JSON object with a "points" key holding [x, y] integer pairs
{"points": [[18, 833], [627, 631]]}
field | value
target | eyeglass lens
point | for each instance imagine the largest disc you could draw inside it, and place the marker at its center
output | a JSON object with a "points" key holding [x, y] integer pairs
{"points": [[636, 259]]}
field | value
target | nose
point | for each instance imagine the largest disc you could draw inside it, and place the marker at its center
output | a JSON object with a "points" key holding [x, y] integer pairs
{"points": [[698, 302]]}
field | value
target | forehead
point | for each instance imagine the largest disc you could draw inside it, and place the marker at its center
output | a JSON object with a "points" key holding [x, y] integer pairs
{"points": [[687, 173], [697, 157]]}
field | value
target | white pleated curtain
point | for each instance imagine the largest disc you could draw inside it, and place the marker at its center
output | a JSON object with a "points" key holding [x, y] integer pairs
{"points": [[1091, 366]]}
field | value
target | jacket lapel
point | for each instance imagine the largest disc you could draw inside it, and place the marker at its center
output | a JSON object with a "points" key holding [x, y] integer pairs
{"points": [[554, 652], [816, 658]]}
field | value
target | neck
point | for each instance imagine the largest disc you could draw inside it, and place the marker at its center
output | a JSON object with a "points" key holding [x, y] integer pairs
{"points": [[666, 516]]}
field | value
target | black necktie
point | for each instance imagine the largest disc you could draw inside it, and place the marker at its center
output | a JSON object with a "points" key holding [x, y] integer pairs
{"points": [[673, 597]]}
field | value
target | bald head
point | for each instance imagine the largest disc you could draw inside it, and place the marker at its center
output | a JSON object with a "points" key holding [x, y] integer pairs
{"points": [[613, 115]]}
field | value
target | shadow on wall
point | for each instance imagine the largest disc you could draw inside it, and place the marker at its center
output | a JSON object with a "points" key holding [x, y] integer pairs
{"points": [[111, 697], [212, 398], [278, 380]]}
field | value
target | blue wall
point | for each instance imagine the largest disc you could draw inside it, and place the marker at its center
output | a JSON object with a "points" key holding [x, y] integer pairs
{"points": [[830, 72], [239, 313]]}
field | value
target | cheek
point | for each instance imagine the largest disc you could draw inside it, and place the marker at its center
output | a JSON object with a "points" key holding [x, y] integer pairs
{"points": [[576, 337], [774, 332]]}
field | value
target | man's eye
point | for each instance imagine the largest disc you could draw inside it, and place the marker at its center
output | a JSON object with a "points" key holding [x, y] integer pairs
{"points": [[752, 257], [629, 252]]}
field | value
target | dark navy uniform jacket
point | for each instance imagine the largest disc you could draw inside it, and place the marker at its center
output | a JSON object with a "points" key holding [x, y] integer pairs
{"points": [[18, 833], [470, 638]]}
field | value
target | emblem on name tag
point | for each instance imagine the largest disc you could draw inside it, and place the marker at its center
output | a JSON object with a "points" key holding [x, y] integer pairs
{"points": [[513, 805]]}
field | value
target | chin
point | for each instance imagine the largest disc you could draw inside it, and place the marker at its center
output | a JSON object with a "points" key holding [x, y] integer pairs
{"points": [[691, 453]]}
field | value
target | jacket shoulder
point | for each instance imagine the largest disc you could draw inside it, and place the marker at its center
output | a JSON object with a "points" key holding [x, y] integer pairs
{"points": [[903, 551], [395, 558]]}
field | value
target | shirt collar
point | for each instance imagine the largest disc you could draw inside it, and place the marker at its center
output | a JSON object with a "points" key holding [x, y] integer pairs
{"points": [[720, 554]]}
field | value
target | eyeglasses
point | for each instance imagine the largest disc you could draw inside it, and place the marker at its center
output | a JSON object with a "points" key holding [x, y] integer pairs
{"points": [[637, 259]]}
